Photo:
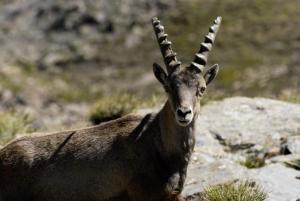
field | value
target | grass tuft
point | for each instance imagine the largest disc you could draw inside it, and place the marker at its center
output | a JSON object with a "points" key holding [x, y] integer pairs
{"points": [[13, 123], [109, 108], [241, 191], [253, 162]]}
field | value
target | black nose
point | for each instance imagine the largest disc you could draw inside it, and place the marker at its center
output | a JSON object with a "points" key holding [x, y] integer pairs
{"points": [[183, 112]]}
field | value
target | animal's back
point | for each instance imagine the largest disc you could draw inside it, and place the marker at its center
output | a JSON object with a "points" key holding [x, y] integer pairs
{"points": [[72, 165]]}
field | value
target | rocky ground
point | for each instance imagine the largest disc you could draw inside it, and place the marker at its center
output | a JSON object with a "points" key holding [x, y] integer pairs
{"points": [[235, 129]]}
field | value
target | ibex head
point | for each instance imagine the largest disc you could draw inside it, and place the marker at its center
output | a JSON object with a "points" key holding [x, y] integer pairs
{"points": [[185, 85]]}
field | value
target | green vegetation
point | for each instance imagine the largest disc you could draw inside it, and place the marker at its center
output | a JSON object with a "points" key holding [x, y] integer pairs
{"points": [[109, 108], [251, 30], [241, 191], [253, 162], [293, 98], [256, 37], [12, 123], [112, 107]]}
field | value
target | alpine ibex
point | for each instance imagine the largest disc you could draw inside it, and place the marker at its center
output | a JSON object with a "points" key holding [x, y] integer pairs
{"points": [[128, 159]]}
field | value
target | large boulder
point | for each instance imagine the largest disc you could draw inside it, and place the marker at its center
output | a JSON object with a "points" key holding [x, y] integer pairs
{"points": [[230, 129]]}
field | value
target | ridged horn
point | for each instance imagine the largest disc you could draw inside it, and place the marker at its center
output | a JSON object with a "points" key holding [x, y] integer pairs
{"points": [[169, 56], [205, 47]]}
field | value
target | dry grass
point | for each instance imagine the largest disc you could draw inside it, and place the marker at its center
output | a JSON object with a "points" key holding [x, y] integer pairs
{"points": [[13, 123], [108, 108], [241, 191]]}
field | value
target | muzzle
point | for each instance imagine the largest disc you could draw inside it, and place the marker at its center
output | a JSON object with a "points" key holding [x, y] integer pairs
{"points": [[184, 115]]}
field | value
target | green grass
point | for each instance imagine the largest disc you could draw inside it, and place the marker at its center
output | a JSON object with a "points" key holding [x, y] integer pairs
{"points": [[109, 108], [253, 162], [255, 34], [112, 107], [13, 123], [241, 191], [293, 98]]}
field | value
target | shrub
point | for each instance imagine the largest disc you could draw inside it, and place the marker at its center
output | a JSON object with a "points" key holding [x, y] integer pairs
{"points": [[241, 191], [12, 123], [109, 108], [113, 107]]}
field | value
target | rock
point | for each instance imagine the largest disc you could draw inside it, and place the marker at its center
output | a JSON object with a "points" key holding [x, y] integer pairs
{"points": [[216, 171], [244, 122], [293, 144], [279, 181], [231, 129]]}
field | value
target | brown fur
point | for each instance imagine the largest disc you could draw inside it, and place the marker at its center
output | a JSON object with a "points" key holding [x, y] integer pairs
{"points": [[118, 158]]}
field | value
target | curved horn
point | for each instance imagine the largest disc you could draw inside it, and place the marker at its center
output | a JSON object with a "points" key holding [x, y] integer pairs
{"points": [[201, 57], [165, 47]]}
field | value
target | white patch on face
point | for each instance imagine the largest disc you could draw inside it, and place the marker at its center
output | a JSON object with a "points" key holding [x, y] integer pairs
{"points": [[186, 119]]}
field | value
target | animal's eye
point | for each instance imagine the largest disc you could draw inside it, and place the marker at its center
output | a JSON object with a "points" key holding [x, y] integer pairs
{"points": [[201, 91]]}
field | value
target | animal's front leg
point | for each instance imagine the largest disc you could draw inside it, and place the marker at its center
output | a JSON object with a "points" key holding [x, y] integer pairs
{"points": [[179, 198], [176, 182]]}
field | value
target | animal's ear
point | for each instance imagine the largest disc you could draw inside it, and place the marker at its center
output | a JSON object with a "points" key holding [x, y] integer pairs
{"points": [[159, 73], [211, 73]]}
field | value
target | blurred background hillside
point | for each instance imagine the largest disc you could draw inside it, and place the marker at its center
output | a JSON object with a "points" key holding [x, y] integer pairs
{"points": [[61, 59]]}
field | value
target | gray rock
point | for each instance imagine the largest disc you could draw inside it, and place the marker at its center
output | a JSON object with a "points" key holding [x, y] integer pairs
{"points": [[293, 144], [245, 122], [279, 181], [228, 129], [212, 172]]}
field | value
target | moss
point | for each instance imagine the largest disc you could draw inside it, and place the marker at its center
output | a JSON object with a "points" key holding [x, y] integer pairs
{"points": [[253, 162], [241, 191], [13, 123]]}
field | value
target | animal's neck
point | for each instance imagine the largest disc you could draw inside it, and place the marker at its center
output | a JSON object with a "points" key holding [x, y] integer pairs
{"points": [[177, 141]]}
